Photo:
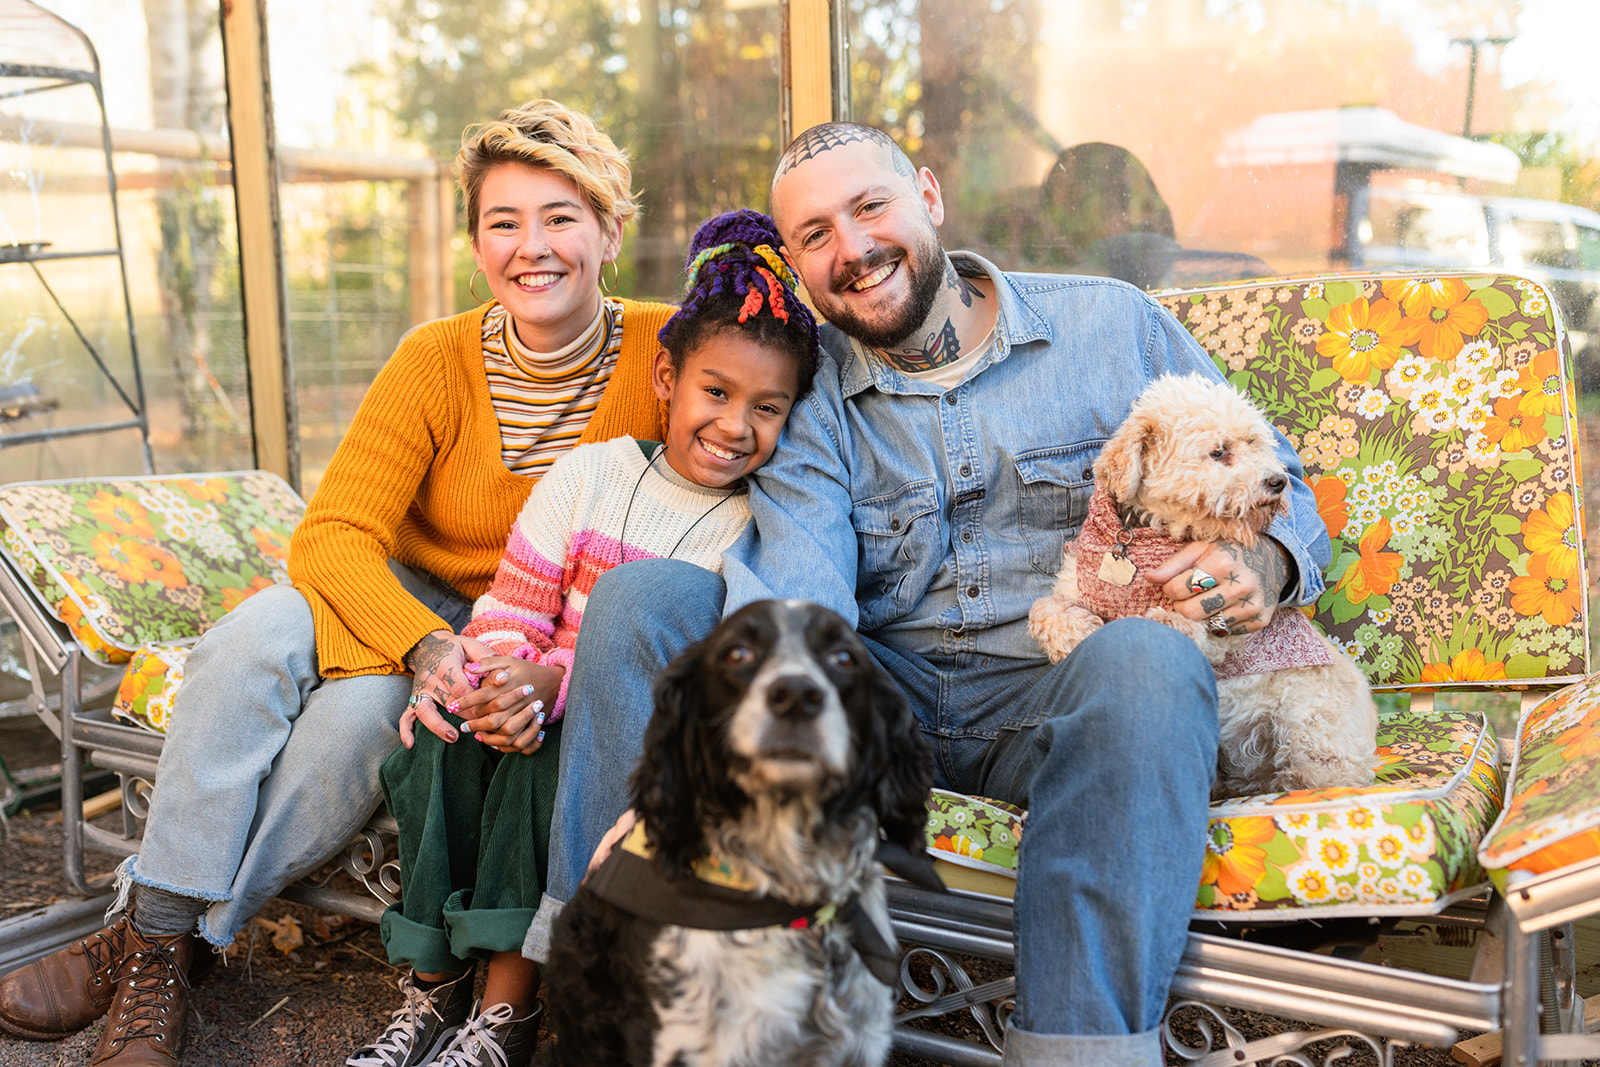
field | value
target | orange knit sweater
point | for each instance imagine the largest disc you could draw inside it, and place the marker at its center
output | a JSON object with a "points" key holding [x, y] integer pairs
{"points": [[419, 477]]}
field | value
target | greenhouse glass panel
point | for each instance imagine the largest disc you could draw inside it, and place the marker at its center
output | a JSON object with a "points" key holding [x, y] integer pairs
{"points": [[369, 104]]}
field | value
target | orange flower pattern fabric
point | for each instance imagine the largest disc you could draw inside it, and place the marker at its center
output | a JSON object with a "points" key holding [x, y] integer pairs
{"points": [[1431, 415], [1552, 815], [1403, 846], [155, 560]]}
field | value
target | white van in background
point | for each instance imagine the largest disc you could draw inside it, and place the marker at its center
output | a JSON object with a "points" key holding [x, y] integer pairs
{"points": [[1554, 243]]}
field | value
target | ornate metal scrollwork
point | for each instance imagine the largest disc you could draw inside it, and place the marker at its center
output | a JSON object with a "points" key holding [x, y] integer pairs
{"points": [[990, 1004], [364, 860], [136, 795], [1287, 1049]]}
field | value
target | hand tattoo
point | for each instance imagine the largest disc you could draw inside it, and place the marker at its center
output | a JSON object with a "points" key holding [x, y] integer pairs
{"points": [[1268, 561], [427, 654], [1213, 603]]}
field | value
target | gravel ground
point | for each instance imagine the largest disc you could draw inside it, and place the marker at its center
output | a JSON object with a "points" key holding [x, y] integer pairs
{"points": [[311, 1006]]}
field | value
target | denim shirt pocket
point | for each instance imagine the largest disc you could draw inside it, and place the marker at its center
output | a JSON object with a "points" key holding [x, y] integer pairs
{"points": [[1056, 483], [899, 538]]}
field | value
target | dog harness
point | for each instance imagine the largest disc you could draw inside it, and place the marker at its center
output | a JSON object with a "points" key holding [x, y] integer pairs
{"points": [[717, 898], [1289, 640]]}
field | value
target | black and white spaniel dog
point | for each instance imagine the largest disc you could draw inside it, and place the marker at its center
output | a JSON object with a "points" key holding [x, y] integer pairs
{"points": [[743, 921]]}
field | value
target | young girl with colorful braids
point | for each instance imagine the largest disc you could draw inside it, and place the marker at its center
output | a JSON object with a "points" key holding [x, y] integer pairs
{"points": [[734, 360]]}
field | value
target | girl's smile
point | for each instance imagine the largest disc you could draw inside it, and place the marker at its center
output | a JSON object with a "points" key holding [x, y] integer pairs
{"points": [[726, 406]]}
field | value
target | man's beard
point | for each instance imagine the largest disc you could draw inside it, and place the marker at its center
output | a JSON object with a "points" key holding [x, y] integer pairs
{"points": [[926, 272]]}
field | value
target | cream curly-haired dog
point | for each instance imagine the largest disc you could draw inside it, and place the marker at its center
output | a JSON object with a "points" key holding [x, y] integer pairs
{"points": [[1195, 461]]}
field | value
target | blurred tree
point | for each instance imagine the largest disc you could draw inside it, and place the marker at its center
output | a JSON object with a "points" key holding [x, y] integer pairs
{"points": [[184, 43], [689, 89]]}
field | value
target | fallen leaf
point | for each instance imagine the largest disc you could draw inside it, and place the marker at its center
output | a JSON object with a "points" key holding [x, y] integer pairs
{"points": [[286, 933], [324, 926]]}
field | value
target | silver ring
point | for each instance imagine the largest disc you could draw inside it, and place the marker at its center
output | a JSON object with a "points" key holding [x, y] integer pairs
{"points": [[1217, 626], [1200, 581]]}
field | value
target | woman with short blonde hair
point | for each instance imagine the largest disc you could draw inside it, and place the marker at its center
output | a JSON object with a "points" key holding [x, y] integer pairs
{"points": [[290, 703]]}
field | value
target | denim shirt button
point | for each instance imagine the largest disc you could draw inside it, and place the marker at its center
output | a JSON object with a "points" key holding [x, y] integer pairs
{"points": [[972, 591], [1088, 472], [894, 524], [966, 535], [950, 398], [966, 471]]}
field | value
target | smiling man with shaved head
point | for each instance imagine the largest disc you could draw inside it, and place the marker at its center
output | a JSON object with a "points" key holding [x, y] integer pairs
{"points": [[924, 490]]}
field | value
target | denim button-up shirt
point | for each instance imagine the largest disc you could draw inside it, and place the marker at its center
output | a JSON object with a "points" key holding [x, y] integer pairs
{"points": [[933, 519]]}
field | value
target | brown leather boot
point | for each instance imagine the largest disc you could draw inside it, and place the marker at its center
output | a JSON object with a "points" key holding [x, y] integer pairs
{"points": [[145, 1024], [66, 991]]}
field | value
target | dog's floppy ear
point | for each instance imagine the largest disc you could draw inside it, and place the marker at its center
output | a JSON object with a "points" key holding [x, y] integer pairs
{"points": [[1120, 467], [674, 773], [895, 765]]}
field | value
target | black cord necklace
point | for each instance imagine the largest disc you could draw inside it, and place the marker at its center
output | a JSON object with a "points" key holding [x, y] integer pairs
{"points": [[622, 538]]}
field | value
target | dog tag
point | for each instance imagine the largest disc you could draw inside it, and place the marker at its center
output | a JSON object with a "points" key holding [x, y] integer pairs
{"points": [[1117, 570]]}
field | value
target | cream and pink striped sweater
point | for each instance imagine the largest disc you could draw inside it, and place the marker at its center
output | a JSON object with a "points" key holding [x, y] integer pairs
{"points": [[571, 531]]}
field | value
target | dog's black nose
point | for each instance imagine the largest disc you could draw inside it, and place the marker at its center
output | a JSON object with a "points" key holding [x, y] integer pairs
{"points": [[1276, 483], [795, 695]]}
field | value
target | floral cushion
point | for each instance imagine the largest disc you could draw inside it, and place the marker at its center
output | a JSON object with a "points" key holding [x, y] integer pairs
{"points": [[154, 560], [1552, 818], [1433, 423], [149, 686], [1402, 846]]}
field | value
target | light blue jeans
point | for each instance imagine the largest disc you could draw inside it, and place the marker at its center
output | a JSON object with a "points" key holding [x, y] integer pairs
{"points": [[1112, 751], [268, 770]]}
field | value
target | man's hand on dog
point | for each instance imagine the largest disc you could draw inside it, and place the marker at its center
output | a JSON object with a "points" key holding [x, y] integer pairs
{"points": [[1249, 581]]}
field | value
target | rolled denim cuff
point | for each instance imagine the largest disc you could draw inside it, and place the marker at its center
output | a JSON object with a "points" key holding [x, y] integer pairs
{"points": [[536, 946], [1027, 1049]]}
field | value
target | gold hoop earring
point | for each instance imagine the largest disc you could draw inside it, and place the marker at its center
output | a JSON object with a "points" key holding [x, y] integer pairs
{"points": [[472, 286], [616, 276]]}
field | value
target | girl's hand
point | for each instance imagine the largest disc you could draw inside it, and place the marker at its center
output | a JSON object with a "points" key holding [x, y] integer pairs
{"points": [[438, 678], [514, 697]]}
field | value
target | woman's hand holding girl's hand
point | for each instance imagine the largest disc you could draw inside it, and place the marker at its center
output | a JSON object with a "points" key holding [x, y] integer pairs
{"points": [[438, 679], [514, 697]]}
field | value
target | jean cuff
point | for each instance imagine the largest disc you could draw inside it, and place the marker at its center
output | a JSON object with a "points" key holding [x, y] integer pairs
{"points": [[1027, 1049], [536, 946]]}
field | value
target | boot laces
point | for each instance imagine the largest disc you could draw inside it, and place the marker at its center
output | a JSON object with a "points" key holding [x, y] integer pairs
{"points": [[397, 1038], [150, 975], [102, 949], [477, 1038]]}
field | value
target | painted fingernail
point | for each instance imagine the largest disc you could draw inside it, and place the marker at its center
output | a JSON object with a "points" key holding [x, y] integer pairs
{"points": [[454, 737], [500, 678], [538, 705], [476, 668], [527, 691], [477, 737], [454, 707], [540, 718], [540, 737]]}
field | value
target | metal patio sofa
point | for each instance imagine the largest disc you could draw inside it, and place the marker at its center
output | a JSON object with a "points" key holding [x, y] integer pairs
{"points": [[1437, 424]]}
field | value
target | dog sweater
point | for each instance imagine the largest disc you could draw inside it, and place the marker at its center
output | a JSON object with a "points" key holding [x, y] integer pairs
{"points": [[1289, 640], [600, 505]]}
